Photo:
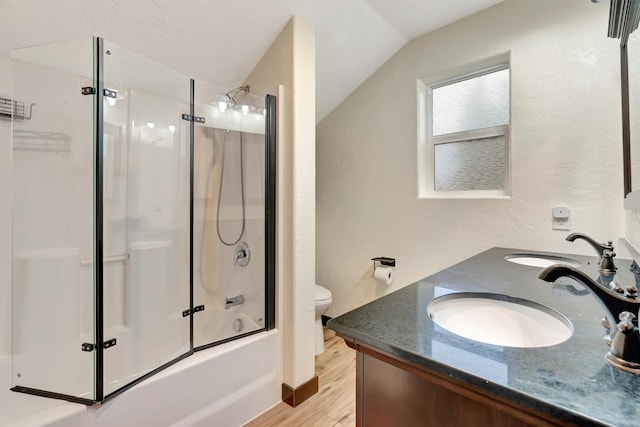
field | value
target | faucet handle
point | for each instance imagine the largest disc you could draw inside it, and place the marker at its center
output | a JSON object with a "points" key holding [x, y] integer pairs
{"points": [[606, 262], [615, 287], [626, 322], [240, 255]]}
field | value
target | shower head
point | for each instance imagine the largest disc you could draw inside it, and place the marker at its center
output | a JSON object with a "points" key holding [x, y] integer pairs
{"points": [[229, 98], [231, 95]]}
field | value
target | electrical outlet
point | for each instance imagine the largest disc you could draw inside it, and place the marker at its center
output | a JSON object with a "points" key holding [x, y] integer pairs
{"points": [[561, 218]]}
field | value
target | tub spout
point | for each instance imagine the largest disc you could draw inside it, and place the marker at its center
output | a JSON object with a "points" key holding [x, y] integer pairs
{"points": [[230, 302], [622, 308]]}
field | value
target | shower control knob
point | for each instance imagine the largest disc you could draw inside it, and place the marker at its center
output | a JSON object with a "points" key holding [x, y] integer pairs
{"points": [[243, 254]]}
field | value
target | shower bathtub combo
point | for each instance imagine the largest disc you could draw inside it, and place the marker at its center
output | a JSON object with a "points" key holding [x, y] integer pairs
{"points": [[158, 243]]}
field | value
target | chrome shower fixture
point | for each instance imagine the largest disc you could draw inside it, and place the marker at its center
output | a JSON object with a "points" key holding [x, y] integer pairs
{"points": [[231, 95], [230, 98]]}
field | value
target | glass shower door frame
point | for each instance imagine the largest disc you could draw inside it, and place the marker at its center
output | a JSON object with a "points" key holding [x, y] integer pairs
{"points": [[100, 393], [100, 342], [269, 228]]}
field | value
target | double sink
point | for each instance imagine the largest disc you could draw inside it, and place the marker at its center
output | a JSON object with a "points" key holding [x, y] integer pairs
{"points": [[503, 320]]}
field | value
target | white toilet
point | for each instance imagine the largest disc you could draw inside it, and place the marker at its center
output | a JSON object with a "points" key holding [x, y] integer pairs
{"points": [[323, 299]]}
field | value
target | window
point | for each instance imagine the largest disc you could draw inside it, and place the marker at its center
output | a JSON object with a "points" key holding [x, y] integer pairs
{"points": [[463, 134]]}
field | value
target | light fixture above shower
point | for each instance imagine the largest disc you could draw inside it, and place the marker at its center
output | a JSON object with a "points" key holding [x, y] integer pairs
{"points": [[224, 105], [222, 102], [624, 17]]}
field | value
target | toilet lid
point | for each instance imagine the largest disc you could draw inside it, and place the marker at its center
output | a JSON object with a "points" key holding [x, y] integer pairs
{"points": [[321, 293]]}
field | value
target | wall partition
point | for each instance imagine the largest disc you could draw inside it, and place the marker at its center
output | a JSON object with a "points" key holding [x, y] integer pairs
{"points": [[144, 218]]}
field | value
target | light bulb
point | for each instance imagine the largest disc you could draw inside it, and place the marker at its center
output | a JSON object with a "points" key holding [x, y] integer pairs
{"points": [[245, 109]]}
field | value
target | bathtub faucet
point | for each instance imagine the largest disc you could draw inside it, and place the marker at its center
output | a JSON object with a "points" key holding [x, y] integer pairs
{"points": [[230, 302]]}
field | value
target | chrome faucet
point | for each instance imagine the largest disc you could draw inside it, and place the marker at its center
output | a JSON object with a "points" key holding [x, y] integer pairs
{"points": [[605, 251], [622, 306], [230, 302], [240, 255]]}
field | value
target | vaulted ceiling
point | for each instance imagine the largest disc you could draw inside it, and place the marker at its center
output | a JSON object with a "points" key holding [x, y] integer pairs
{"points": [[220, 41]]}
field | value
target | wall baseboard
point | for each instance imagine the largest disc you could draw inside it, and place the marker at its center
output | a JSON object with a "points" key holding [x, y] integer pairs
{"points": [[294, 397]]}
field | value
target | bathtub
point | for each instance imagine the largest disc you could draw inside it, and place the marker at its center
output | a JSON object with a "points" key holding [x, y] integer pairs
{"points": [[217, 324], [226, 385]]}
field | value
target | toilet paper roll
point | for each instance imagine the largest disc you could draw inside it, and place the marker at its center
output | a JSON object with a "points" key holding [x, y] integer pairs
{"points": [[384, 275]]}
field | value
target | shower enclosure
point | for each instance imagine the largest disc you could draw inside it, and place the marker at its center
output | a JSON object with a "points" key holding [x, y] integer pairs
{"points": [[144, 218]]}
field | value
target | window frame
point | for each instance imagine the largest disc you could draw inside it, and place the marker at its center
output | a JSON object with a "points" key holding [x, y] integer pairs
{"points": [[427, 142]]}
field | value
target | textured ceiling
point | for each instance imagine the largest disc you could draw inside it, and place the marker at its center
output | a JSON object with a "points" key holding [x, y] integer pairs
{"points": [[220, 41]]}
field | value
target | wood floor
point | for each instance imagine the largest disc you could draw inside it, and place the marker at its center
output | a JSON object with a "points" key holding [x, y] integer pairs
{"points": [[334, 404]]}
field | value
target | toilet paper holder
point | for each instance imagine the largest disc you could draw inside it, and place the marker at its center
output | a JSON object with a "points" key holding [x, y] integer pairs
{"points": [[383, 260]]}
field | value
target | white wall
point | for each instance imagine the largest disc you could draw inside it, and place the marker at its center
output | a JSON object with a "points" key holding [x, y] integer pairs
{"points": [[5, 215], [290, 62], [565, 142], [632, 219]]}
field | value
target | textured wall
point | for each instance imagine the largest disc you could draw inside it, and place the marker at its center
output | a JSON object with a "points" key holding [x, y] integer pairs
{"points": [[290, 63], [565, 144], [632, 227], [632, 231], [5, 216]]}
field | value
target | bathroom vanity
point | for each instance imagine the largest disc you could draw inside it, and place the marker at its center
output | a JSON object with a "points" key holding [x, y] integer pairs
{"points": [[412, 372]]}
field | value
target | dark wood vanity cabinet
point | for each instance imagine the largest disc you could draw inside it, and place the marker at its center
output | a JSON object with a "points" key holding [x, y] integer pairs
{"points": [[392, 392]]}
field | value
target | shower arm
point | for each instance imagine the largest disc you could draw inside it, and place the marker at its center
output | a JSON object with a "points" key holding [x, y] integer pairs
{"points": [[231, 95]]}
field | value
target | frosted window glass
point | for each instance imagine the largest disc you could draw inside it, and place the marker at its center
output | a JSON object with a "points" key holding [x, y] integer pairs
{"points": [[476, 103], [476, 164]]}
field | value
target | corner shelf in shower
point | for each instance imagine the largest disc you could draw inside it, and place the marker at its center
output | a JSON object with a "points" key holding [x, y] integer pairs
{"points": [[16, 110]]}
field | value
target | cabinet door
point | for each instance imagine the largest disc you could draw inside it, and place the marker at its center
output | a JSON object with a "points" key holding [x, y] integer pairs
{"points": [[391, 396]]}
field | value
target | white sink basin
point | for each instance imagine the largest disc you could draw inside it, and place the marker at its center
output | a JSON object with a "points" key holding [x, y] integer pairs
{"points": [[500, 320], [542, 261]]}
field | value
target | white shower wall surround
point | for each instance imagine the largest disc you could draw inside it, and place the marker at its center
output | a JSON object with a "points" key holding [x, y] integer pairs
{"points": [[217, 276], [231, 369]]}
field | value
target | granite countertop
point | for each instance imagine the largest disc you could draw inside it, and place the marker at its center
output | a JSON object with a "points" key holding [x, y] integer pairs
{"points": [[570, 381]]}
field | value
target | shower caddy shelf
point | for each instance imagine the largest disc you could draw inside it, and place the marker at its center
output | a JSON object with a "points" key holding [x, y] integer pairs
{"points": [[27, 140], [16, 110]]}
